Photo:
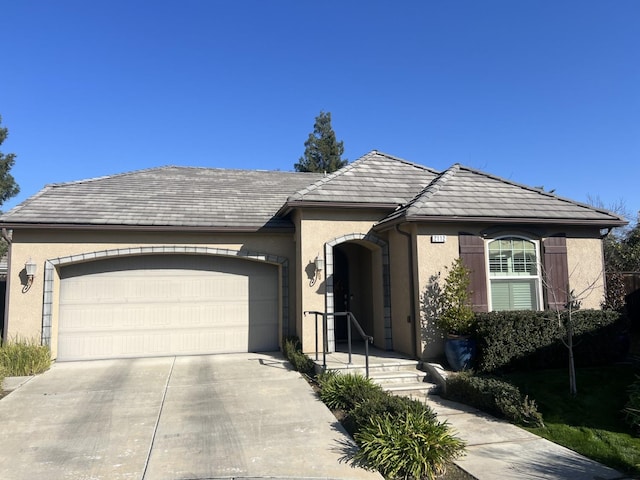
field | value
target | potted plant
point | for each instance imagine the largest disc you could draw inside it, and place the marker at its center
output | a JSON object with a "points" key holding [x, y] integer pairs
{"points": [[456, 317]]}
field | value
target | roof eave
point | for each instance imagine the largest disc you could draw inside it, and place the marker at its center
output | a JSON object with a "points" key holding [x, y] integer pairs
{"points": [[289, 206], [147, 228], [385, 225]]}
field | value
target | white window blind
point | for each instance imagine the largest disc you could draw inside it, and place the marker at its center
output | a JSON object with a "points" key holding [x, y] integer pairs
{"points": [[513, 273]]}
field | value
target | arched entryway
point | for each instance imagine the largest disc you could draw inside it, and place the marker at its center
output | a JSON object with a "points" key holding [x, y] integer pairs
{"points": [[357, 273]]}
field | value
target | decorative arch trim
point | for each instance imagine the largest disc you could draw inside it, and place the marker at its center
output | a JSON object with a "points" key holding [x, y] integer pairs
{"points": [[329, 299], [53, 263]]}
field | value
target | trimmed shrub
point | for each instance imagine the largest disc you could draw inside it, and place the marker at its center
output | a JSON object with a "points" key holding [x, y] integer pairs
{"points": [[292, 351], [409, 445], [23, 357], [632, 408], [533, 340], [346, 391], [494, 396]]}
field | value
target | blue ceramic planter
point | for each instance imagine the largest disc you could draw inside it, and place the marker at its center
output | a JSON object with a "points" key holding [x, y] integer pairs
{"points": [[460, 352]]}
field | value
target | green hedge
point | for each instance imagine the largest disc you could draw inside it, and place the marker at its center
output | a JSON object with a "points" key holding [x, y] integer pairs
{"points": [[632, 408], [494, 396], [532, 340]]}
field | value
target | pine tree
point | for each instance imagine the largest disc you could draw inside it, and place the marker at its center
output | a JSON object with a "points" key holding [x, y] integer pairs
{"points": [[8, 186], [322, 151]]}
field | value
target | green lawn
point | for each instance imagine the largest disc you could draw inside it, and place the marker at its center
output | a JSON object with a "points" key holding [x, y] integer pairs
{"points": [[590, 423]]}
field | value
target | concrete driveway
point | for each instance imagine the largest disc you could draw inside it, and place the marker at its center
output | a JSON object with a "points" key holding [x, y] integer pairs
{"points": [[205, 417]]}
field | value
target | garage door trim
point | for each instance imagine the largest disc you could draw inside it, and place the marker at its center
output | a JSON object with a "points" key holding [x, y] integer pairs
{"points": [[52, 264]]}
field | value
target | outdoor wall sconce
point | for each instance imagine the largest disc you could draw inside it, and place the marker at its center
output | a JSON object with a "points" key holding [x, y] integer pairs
{"points": [[318, 267], [30, 268]]}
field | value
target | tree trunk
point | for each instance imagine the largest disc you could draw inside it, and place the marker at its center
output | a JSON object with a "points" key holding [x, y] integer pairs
{"points": [[573, 389]]}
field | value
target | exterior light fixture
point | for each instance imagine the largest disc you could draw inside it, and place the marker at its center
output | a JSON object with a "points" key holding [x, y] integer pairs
{"points": [[318, 265], [30, 267]]}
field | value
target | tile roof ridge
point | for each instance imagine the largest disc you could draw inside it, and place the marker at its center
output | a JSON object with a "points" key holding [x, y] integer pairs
{"points": [[113, 175], [433, 188], [160, 168], [402, 160], [50, 186], [540, 191], [327, 177]]}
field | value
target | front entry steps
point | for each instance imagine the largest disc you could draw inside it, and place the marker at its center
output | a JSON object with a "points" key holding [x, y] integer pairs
{"points": [[393, 371]]}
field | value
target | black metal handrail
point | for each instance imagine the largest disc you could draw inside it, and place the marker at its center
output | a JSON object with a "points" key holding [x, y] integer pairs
{"points": [[351, 319]]}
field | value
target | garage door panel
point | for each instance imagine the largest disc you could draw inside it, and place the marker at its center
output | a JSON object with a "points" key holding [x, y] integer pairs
{"points": [[139, 308]]}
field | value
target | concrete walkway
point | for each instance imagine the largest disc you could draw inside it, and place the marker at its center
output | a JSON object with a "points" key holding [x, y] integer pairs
{"points": [[496, 449], [225, 416], [499, 450], [206, 417]]}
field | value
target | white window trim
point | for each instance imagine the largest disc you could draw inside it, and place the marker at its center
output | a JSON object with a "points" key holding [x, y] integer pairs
{"points": [[538, 278]]}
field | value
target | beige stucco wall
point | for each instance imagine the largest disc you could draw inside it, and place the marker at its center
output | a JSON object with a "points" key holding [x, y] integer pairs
{"points": [[433, 259], [316, 227], [403, 323], [584, 257], [24, 310], [586, 270]]}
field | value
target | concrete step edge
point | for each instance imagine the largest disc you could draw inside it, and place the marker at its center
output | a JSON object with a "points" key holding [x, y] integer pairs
{"points": [[417, 387], [399, 378]]}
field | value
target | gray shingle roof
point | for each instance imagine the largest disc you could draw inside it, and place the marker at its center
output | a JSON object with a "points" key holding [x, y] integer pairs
{"points": [[210, 198], [167, 196], [375, 178], [464, 193]]}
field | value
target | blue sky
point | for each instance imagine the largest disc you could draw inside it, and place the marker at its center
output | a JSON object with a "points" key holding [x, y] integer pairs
{"points": [[545, 93]]}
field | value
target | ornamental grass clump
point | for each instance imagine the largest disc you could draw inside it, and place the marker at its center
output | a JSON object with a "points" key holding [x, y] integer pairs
{"points": [[346, 391], [20, 358], [411, 445], [381, 404]]}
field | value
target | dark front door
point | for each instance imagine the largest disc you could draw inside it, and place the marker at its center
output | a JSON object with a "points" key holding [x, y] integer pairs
{"points": [[340, 292]]}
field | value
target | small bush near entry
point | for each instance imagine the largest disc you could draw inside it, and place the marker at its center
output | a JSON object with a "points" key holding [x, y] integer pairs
{"points": [[494, 396], [409, 445], [292, 350], [398, 436], [346, 391], [632, 408], [21, 358], [377, 405]]}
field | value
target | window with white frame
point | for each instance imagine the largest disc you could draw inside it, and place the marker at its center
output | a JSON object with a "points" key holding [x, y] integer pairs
{"points": [[514, 274]]}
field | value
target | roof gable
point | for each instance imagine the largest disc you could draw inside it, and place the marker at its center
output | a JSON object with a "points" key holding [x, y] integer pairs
{"points": [[375, 178]]}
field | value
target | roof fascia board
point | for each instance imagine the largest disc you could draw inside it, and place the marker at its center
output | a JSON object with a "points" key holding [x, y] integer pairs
{"points": [[144, 228], [316, 204], [501, 220]]}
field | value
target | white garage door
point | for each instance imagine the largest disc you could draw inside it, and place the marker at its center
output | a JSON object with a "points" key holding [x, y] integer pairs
{"points": [[167, 305]]}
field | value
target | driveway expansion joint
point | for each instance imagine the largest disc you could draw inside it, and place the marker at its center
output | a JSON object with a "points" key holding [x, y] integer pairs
{"points": [[155, 427]]}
